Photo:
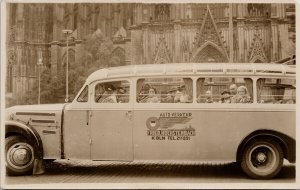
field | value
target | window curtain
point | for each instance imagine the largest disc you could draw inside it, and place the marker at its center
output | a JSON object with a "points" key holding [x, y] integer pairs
{"points": [[200, 88], [278, 93], [260, 85], [188, 86], [249, 86], [139, 86]]}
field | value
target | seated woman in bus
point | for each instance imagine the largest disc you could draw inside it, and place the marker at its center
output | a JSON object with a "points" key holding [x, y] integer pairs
{"points": [[170, 96], [241, 96], [152, 97], [143, 95], [112, 97], [122, 97], [208, 96], [177, 95], [101, 94], [225, 96], [184, 96]]}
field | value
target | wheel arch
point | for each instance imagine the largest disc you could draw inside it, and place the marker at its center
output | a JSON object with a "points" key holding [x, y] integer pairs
{"points": [[28, 132], [287, 143]]}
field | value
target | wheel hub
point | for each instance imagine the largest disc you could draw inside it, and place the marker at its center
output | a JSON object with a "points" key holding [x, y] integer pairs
{"points": [[261, 157], [21, 156]]}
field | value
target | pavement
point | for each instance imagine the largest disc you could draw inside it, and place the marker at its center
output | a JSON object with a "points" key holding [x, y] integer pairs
{"points": [[78, 171]]}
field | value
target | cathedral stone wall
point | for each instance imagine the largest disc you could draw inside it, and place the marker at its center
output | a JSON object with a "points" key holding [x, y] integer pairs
{"points": [[144, 34]]}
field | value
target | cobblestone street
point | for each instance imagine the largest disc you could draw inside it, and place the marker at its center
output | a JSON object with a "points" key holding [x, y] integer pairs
{"points": [[139, 172]]}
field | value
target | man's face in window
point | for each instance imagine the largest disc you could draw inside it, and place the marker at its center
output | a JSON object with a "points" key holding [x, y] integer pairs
{"points": [[100, 89], [233, 89]]}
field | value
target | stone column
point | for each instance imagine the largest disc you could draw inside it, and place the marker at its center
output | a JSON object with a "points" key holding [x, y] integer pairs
{"points": [[177, 42], [136, 46], [274, 10], [240, 12], [177, 11], [146, 45], [127, 51], [230, 33], [283, 40], [241, 37], [19, 83], [274, 40], [57, 36]]}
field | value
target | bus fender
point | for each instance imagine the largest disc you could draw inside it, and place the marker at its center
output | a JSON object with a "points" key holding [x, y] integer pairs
{"points": [[287, 143], [14, 127]]}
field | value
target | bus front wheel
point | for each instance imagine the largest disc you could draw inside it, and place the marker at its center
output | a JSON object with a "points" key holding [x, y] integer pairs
{"points": [[19, 156], [262, 159]]}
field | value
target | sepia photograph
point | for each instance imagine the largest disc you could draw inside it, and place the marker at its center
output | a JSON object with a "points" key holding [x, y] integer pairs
{"points": [[145, 94]]}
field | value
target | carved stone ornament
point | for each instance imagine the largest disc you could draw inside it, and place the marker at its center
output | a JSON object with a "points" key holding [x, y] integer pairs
{"points": [[162, 54], [209, 36], [257, 53], [11, 56]]}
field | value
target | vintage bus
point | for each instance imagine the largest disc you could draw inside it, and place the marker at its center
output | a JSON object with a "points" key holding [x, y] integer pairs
{"points": [[214, 112]]}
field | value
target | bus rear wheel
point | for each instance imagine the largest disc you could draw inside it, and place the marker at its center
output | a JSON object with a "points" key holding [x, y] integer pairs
{"points": [[262, 159], [19, 156]]}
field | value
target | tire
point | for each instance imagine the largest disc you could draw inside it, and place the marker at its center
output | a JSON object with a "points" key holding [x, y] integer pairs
{"points": [[19, 156], [262, 159]]}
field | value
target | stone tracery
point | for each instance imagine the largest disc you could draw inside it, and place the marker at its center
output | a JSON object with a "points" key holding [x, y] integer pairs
{"points": [[209, 35], [257, 53], [162, 54]]}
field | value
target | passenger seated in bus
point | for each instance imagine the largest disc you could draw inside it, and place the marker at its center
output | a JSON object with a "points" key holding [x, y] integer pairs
{"points": [[122, 97], [111, 92], [278, 102], [177, 95], [208, 96], [233, 89], [242, 96], [290, 101], [100, 90], [171, 95], [184, 96], [152, 97], [225, 96], [143, 95]]}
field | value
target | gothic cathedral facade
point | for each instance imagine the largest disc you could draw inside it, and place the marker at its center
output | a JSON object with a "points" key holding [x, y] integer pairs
{"points": [[144, 34]]}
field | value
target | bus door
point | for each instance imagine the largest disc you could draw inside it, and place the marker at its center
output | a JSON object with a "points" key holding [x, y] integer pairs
{"points": [[111, 120]]}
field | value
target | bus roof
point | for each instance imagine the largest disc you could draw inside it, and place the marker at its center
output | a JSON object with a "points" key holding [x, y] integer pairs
{"points": [[194, 69]]}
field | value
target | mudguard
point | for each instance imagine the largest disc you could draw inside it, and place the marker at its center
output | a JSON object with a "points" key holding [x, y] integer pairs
{"points": [[287, 143]]}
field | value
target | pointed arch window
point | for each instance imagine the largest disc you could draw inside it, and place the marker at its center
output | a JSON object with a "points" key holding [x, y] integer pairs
{"points": [[259, 10], [162, 12]]}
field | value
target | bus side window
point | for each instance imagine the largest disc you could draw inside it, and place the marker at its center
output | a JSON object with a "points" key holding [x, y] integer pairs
{"points": [[165, 90], [83, 97], [224, 90], [276, 91], [112, 92]]}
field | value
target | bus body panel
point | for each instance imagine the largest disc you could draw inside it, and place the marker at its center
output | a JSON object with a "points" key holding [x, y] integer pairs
{"points": [[111, 135], [76, 134], [204, 135], [46, 120]]}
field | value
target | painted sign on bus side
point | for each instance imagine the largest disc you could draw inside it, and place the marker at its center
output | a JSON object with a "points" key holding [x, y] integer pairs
{"points": [[171, 126]]}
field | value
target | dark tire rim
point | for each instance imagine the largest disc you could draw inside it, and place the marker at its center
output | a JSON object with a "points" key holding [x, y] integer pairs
{"points": [[263, 159]]}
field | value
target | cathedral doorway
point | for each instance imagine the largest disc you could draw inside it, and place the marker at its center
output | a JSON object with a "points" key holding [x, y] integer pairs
{"points": [[209, 54]]}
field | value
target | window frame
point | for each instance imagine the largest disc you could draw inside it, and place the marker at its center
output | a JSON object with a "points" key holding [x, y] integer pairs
{"points": [[253, 78], [111, 105], [85, 86], [275, 77], [162, 77]]}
